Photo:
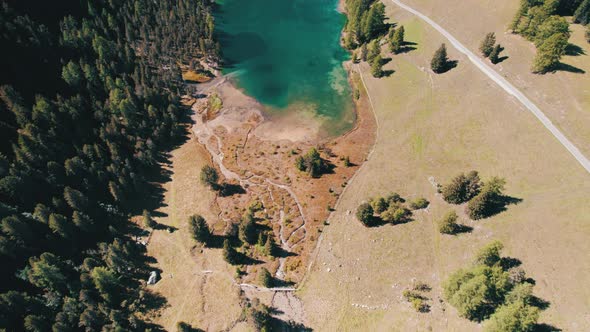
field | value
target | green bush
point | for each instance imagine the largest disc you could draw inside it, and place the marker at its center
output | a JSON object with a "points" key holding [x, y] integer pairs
{"points": [[364, 213], [488, 201], [209, 176], [419, 203], [517, 316], [312, 163], [489, 255], [448, 224], [198, 229], [461, 188]]}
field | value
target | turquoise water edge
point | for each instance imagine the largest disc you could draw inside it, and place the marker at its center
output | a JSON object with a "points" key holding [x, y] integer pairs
{"points": [[287, 55]]}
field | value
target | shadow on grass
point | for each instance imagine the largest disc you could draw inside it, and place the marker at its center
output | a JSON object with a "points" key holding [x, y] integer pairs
{"points": [[287, 326], [508, 262], [574, 50], [378, 222], [282, 253], [460, 229], [502, 59], [230, 189], [569, 68], [500, 204], [545, 328], [407, 47]]}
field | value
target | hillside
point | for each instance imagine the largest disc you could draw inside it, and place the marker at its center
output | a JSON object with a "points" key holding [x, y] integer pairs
{"points": [[436, 126]]}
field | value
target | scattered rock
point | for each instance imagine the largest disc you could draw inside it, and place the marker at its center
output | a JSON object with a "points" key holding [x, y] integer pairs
{"points": [[153, 278]]}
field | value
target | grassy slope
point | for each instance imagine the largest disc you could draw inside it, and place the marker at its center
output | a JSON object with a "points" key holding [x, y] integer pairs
{"points": [[197, 286], [564, 96], [438, 125]]}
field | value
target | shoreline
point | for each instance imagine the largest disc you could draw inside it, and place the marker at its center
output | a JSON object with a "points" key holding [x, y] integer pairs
{"points": [[246, 142]]}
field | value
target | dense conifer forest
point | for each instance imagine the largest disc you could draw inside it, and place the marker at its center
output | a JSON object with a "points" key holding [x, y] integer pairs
{"points": [[89, 100]]}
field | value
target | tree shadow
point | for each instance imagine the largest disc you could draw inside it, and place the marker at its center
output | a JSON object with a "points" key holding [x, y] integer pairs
{"points": [[164, 227], [378, 222], [287, 326], [539, 303], [460, 229], [151, 301], [450, 64], [502, 59], [282, 253], [568, 68], [500, 204], [216, 241], [388, 72], [243, 259], [545, 328], [407, 47], [574, 50], [508, 262], [230, 189]]}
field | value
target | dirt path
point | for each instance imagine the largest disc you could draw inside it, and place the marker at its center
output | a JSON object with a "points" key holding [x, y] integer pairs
{"points": [[504, 84]]}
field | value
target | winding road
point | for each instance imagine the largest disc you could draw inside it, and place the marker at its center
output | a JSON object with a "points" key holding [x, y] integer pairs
{"points": [[504, 84]]}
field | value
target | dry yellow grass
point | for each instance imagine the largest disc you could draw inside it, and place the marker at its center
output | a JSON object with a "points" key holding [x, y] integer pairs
{"points": [[193, 76], [439, 125], [198, 286], [564, 96]]}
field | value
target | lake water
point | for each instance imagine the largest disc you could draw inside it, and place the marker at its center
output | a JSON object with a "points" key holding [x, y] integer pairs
{"points": [[287, 55]]}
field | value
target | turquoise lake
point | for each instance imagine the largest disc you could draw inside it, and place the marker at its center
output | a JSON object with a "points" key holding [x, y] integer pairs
{"points": [[287, 55]]}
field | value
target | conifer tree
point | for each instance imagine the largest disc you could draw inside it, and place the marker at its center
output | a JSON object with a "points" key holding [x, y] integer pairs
{"points": [[209, 176], [229, 253], [374, 50], [270, 246], [265, 278], [247, 229], [376, 67], [549, 53], [397, 42], [363, 52], [199, 229], [495, 55], [440, 61], [487, 45]]}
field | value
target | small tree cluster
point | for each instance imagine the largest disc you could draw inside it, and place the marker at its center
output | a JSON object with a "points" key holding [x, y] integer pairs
{"points": [[487, 290], [390, 209], [311, 163], [487, 45], [419, 203], [537, 21], [488, 200], [417, 298], [462, 188], [489, 48]]}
